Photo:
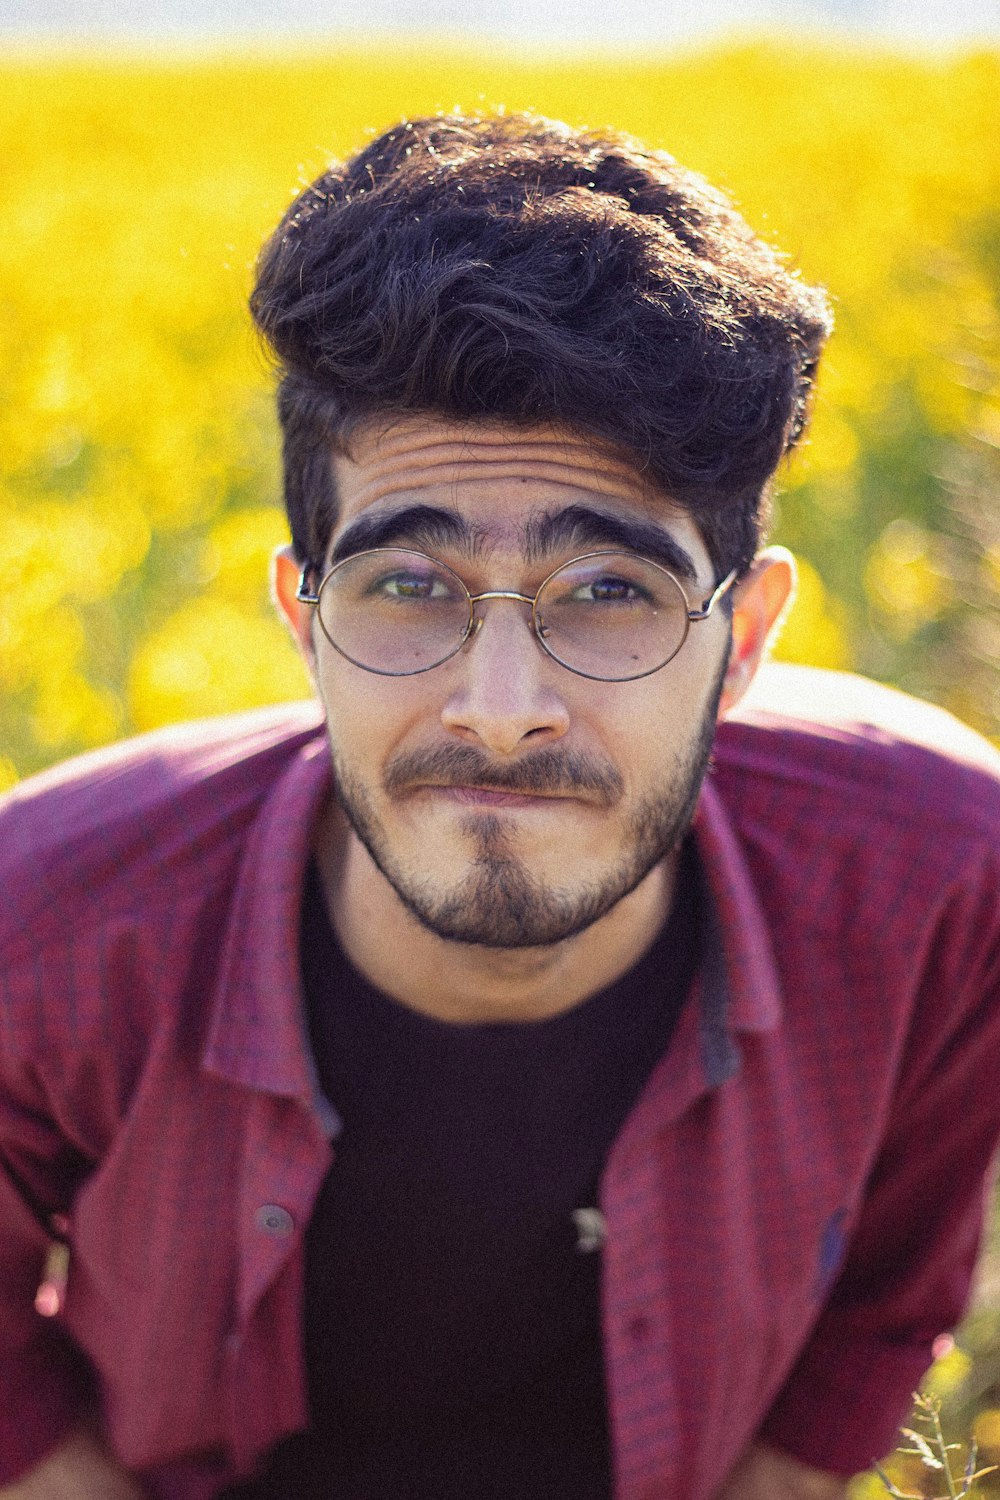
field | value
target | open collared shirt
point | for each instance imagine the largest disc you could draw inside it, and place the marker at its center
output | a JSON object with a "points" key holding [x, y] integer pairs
{"points": [[792, 1207]]}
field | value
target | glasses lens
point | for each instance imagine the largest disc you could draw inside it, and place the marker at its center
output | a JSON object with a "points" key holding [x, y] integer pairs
{"points": [[394, 611], [612, 616]]}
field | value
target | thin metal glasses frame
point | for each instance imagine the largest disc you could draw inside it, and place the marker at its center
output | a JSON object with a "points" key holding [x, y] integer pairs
{"points": [[304, 595]]}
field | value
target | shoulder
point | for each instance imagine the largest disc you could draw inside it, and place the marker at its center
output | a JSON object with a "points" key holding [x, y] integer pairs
{"points": [[843, 753], [141, 820], [868, 824]]}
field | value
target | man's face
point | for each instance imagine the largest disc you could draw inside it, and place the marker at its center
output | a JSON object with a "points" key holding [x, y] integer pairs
{"points": [[508, 801]]}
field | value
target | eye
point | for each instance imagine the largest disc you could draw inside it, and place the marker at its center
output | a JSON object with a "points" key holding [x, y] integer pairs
{"points": [[413, 586], [607, 589]]}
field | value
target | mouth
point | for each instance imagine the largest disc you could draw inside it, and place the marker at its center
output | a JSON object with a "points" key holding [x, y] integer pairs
{"points": [[488, 796], [461, 774]]}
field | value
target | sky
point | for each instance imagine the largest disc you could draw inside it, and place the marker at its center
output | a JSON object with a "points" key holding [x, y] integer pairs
{"points": [[920, 24]]}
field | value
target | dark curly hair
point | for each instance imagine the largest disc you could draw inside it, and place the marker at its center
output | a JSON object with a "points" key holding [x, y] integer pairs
{"points": [[511, 268]]}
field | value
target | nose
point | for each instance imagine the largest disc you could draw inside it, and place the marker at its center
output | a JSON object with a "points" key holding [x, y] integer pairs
{"points": [[506, 689]]}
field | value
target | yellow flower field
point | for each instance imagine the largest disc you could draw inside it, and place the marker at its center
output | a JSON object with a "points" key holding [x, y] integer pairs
{"points": [[138, 453]]}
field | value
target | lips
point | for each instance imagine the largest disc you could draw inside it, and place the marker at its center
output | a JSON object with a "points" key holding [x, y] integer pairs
{"points": [[483, 796], [544, 776]]}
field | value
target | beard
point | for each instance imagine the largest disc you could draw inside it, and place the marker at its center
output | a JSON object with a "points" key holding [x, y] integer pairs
{"points": [[500, 903]]}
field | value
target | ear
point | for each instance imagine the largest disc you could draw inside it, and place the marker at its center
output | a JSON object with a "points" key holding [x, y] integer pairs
{"points": [[760, 600], [285, 573]]}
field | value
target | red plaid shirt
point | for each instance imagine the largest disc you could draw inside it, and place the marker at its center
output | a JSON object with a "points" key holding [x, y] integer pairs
{"points": [[792, 1207]]}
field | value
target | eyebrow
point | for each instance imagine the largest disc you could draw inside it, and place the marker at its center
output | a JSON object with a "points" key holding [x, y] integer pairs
{"points": [[585, 526], [552, 531], [425, 525]]}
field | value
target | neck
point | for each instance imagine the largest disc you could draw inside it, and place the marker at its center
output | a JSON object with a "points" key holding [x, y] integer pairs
{"points": [[464, 982]]}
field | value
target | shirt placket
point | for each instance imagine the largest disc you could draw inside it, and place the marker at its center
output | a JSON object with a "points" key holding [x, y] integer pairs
{"points": [[286, 1158]]}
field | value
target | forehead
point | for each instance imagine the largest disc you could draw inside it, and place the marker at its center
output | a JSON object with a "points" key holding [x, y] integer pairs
{"points": [[498, 477]]}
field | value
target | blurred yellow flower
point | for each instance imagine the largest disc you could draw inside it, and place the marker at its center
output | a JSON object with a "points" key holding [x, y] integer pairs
{"points": [[139, 468], [211, 657], [815, 629], [986, 1431], [903, 578]]}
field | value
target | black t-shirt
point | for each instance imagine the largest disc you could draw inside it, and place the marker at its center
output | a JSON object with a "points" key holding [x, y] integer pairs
{"points": [[452, 1298]]}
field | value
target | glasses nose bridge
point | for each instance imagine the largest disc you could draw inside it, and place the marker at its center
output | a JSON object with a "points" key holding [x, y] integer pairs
{"points": [[477, 617], [502, 594]]}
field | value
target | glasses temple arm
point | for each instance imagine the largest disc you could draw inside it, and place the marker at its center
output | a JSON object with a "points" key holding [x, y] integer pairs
{"points": [[304, 593], [713, 599]]}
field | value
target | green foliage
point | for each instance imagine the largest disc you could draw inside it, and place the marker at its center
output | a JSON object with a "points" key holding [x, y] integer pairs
{"points": [[934, 1454]]}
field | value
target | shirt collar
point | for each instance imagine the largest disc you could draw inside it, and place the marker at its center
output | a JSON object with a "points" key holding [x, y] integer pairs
{"points": [[258, 1035], [739, 957]]}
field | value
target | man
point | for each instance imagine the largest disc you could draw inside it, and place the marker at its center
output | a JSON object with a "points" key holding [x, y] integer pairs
{"points": [[660, 1101]]}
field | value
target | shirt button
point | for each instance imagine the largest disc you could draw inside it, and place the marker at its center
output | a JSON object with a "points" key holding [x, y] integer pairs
{"points": [[273, 1220], [639, 1328]]}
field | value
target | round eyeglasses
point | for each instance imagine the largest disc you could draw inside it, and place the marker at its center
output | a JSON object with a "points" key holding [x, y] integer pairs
{"points": [[610, 616]]}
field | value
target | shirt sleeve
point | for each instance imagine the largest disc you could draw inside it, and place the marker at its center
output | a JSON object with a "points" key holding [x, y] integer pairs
{"points": [[910, 1259], [44, 1384]]}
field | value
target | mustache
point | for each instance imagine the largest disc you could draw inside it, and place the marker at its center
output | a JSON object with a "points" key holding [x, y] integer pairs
{"points": [[551, 772]]}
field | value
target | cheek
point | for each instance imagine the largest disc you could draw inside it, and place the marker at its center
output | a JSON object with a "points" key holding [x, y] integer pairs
{"points": [[648, 722], [368, 715]]}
